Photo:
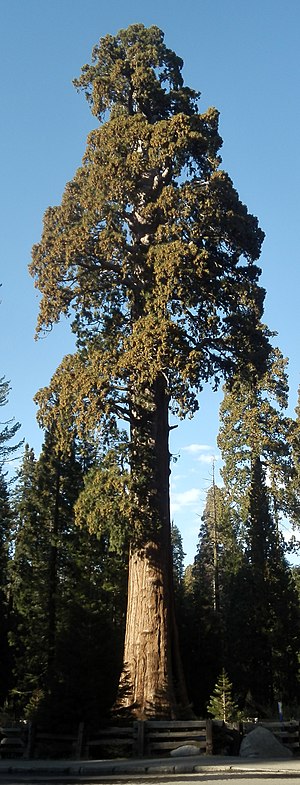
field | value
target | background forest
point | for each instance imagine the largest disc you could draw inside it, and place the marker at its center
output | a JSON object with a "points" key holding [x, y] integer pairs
{"points": [[63, 589], [153, 283]]}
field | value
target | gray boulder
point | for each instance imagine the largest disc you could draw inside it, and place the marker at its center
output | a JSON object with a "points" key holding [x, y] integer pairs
{"points": [[185, 750], [261, 743]]}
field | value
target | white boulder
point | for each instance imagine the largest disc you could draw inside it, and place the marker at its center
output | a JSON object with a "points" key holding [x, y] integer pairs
{"points": [[185, 750]]}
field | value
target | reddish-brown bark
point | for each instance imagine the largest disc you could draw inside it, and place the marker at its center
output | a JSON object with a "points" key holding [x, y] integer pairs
{"points": [[152, 682]]}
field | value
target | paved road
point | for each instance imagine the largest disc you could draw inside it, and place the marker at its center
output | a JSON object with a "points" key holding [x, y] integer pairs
{"points": [[214, 778]]}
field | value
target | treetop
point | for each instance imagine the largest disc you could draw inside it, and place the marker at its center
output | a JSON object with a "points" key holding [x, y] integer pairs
{"points": [[134, 72]]}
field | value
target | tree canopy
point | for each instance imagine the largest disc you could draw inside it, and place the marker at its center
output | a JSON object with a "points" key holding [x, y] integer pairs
{"points": [[152, 256], [151, 250]]}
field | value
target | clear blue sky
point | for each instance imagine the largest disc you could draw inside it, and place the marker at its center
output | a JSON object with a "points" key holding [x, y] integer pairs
{"points": [[244, 57]]}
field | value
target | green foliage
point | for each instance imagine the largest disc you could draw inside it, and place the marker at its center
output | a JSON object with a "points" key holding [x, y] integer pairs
{"points": [[153, 252], [219, 551], [135, 72], [294, 486], [9, 428], [178, 555], [263, 615], [254, 424], [221, 705], [256, 439], [7, 432], [6, 524], [152, 255], [68, 597], [207, 596], [103, 504]]}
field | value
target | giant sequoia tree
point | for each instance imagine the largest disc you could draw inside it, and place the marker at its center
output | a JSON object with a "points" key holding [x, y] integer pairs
{"points": [[152, 255]]}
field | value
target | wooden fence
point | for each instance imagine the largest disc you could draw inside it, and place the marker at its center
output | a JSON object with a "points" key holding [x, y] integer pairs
{"points": [[137, 739], [152, 737], [162, 736], [286, 732]]}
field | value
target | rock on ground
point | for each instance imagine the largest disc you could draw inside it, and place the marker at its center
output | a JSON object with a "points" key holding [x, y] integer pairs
{"points": [[261, 743], [186, 749]]}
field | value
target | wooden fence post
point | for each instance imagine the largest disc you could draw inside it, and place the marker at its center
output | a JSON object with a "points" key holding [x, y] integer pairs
{"points": [[79, 741], [29, 752], [209, 737], [139, 727]]}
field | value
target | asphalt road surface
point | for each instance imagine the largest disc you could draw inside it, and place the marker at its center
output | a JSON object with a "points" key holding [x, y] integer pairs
{"points": [[219, 778]]}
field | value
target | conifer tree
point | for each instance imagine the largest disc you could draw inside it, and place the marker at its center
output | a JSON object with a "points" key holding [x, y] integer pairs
{"points": [[263, 617], [219, 549], [67, 596], [221, 705], [8, 431], [9, 428], [254, 424], [177, 555], [294, 486], [153, 252], [6, 525], [217, 559]]}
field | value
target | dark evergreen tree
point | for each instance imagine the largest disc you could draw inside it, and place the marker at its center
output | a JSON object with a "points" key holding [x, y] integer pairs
{"points": [[68, 597], [253, 422], [8, 431], [294, 486], [178, 556], [28, 586], [6, 525], [219, 548], [218, 557], [263, 618]]}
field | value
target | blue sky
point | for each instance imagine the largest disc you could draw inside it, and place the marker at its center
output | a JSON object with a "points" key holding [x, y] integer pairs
{"points": [[244, 58]]}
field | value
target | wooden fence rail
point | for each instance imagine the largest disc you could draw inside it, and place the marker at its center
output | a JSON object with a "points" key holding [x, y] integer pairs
{"points": [[151, 737], [138, 739], [162, 736], [108, 742], [286, 732]]}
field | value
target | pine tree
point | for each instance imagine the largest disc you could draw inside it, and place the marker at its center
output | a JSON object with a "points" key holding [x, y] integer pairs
{"points": [[9, 429], [263, 618], [8, 432], [219, 550], [294, 486], [154, 253], [68, 601], [253, 423], [221, 705], [178, 555], [217, 559], [6, 525], [263, 615], [30, 585]]}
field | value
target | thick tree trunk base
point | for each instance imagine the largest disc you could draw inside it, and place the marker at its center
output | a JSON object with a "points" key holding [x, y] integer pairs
{"points": [[151, 683]]}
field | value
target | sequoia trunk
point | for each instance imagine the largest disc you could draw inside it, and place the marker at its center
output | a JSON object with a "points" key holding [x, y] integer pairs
{"points": [[152, 682]]}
